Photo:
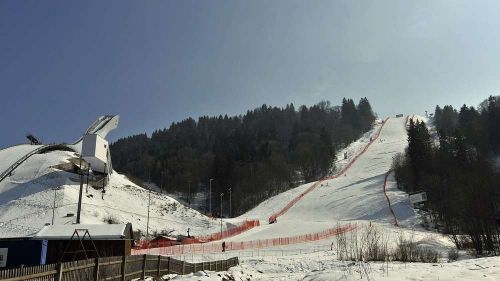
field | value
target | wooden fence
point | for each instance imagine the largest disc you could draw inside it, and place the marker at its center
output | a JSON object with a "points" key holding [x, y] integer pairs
{"points": [[113, 268]]}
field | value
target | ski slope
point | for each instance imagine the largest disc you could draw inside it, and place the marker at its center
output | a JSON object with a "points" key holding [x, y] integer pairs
{"points": [[354, 196]]}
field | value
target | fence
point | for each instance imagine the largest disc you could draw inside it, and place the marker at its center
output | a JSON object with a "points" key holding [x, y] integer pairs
{"points": [[122, 268], [273, 217], [237, 246], [246, 225], [388, 200]]}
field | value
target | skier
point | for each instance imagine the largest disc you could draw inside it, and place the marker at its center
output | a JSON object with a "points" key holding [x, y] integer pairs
{"points": [[223, 246]]}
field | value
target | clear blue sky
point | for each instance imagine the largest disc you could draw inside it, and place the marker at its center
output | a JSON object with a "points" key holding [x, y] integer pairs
{"points": [[63, 63]]}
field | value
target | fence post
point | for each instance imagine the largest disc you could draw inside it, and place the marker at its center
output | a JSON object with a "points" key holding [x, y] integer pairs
{"points": [[59, 271], [158, 269], [124, 265], [144, 266], [168, 265], [96, 269]]}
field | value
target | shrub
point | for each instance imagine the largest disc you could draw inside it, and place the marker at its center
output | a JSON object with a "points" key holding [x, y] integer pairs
{"points": [[110, 219], [452, 255]]}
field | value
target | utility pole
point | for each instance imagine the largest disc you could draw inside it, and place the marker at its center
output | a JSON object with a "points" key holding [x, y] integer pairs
{"points": [[149, 203], [147, 223], [230, 211], [221, 195], [161, 181], [189, 192], [210, 198], [80, 195], [88, 175], [54, 206]]}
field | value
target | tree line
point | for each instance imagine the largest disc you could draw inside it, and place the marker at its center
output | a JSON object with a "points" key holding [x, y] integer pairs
{"points": [[458, 169], [266, 151]]}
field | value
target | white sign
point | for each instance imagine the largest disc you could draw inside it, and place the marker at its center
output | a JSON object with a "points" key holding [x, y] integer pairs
{"points": [[3, 257], [418, 197]]}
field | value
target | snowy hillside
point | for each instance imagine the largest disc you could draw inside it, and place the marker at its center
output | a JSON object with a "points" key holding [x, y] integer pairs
{"points": [[27, 198], [357, 196]]}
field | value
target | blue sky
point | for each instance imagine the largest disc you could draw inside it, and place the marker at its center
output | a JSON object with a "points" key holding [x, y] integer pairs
{"points": [[63, 63]]}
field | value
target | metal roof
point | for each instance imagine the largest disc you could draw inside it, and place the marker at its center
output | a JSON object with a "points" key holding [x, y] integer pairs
{"points": [[96, 231]]}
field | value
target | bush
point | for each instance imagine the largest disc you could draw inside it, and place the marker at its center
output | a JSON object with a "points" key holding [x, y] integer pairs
{"points": [[407, 250], [369, 243], [110, 220], [452, 255]]}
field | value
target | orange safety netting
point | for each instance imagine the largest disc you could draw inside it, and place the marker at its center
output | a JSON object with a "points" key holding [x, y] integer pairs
{"points": [[273, 217], [246, 225], [236, 246]]}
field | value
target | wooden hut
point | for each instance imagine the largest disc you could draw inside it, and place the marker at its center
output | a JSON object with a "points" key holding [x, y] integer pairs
{"points": [[82, 241]]}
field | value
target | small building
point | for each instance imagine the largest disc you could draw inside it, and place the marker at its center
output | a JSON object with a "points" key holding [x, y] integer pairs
{"points": [[81, 241], [17, 251], [163, 241], [95, 151]]}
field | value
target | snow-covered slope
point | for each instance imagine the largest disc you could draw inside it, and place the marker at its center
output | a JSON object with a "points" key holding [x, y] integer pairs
{"points": [[27, 198], [10, 155], [355, 196], [265, 209]]}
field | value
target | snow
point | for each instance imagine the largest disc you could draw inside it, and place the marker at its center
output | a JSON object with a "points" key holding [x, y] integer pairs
{"points": [[10, 155], [357, 197], [27, 198], [98, 231]]}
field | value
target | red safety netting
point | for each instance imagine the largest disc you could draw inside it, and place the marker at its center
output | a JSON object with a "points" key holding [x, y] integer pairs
{"points": [[385, 184], [273, 217], [388, 200], [236, 246], [246, 225]]}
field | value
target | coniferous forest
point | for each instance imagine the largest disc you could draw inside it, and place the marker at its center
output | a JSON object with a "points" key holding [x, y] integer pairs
{"points": [[458, 169], [259, 154]]}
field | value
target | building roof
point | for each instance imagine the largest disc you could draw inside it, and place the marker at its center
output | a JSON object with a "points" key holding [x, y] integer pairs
{"points": [[164, 237], [96, 231]]}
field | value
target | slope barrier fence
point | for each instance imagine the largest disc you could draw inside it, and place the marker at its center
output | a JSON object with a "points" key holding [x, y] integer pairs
{"points": [[407, 121], [272, 218], [246, 225], [237, 246], [389, 200]]}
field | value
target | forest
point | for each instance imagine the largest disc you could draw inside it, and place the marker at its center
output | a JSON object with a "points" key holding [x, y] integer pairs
{"points": [[266, 151], [456, 164]]}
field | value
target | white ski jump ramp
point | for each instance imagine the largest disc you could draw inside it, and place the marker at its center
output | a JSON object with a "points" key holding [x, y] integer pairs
{"points": [[12, 157]]}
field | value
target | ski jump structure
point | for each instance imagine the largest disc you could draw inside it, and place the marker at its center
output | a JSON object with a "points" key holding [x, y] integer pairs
{"points": [[102, 126]]}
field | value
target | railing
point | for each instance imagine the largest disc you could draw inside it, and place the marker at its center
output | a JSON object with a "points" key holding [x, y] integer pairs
{"points": [[272, 218], [113, 268]]}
